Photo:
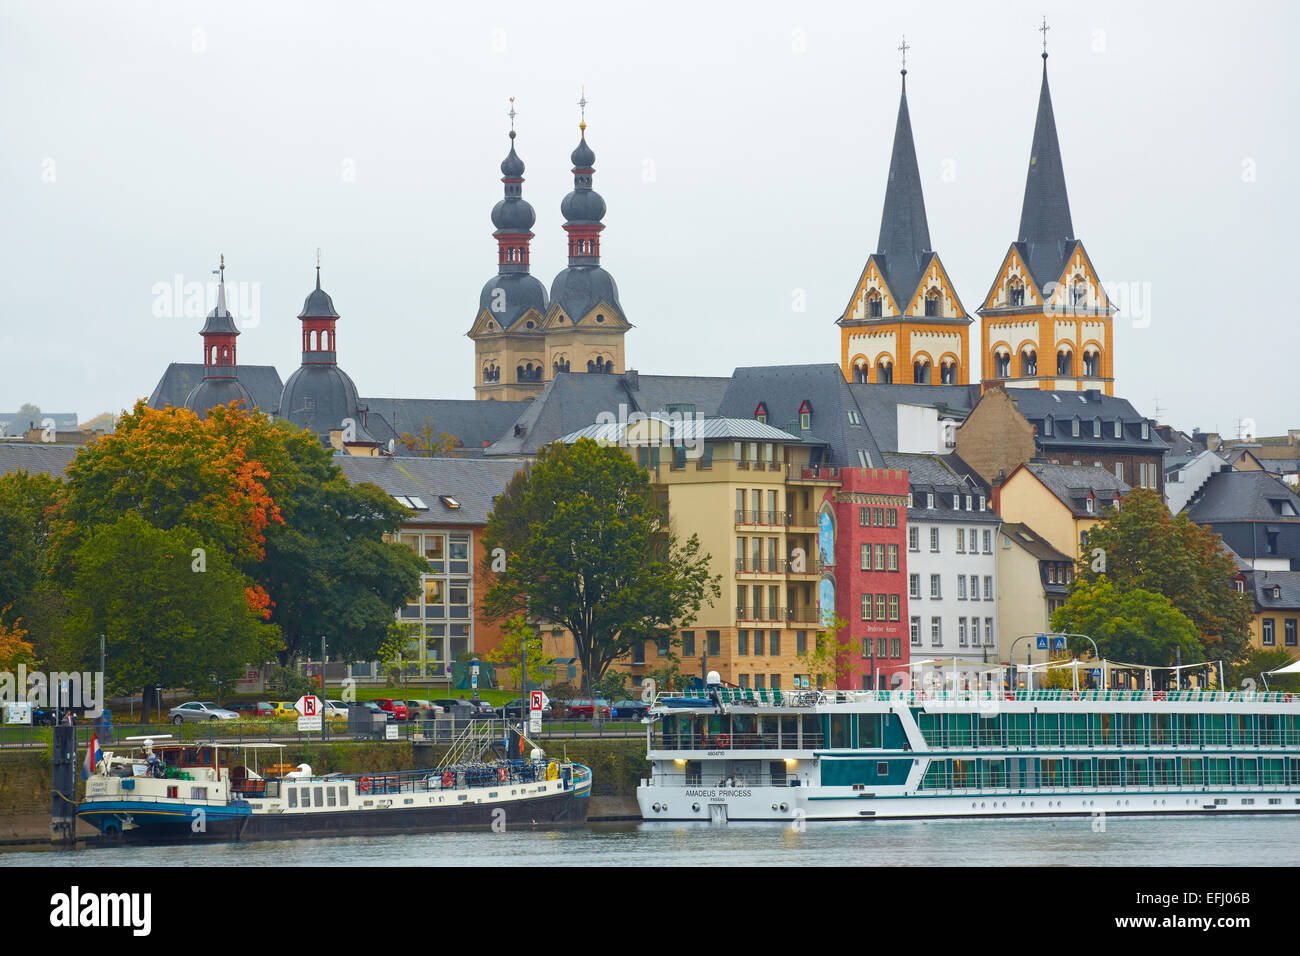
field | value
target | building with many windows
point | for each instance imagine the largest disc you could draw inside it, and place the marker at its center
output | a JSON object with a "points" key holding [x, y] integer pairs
{"points": [[1062, 503], [448, 500], [1257, 515], [1276, 621], [952, 565]]}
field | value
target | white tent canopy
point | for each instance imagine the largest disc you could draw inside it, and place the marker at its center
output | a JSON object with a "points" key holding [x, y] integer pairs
{"points": [[1292, 668]]}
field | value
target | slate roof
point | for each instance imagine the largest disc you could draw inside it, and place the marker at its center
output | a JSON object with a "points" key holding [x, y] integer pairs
{"points": [[473, 482], [1034, 543], [709, 429], [1036, 404], [1241, 496], [181, 378], [879, 405], [1046, 237], [943, 476], [1072, 483], [1263, 583], [472, 422], [36, 459], [574, 400], [319, 397], [903, 250], [784, 388]]}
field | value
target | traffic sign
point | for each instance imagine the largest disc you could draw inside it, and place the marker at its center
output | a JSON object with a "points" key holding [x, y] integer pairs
{"points": [[308, 705], [1058, 642], [1042, 643], [535, 722], [535, 700]]}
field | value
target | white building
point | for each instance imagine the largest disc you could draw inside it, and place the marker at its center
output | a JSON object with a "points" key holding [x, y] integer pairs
{"points": [[952, 563]]}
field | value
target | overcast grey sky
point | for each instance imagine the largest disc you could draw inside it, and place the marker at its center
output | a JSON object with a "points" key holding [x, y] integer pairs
{"points": [[742, 151]]}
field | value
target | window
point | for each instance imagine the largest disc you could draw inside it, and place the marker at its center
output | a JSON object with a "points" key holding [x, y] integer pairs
{"points": [[1047, 426], [759, 681], [714, 641], [1269, 639], [1118, 429], [934, 586], [776, 682], [961, 632], [801, 642], [1074, 428], [1290, 628], [988, 587], [974, 587], [866, 607], [661, 647], [775, 644], [934, 539], [880, 607], [743, 680], [894, 610], [1146, 431], [961, 588], [1119, 468], [961, 540], [914, 631], [688, 643], [929, 499], [892, 553], [1088, 504], [742, 643], [936, 632], [866, 557], [988, 632], [758, 644], [862, 517], [877, 517], [988, 535], [913, 539], [880, 557], [891, 518], [914, 586], [969, 506]]}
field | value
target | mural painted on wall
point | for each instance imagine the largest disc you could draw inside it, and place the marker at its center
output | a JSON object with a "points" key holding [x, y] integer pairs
{"points": [[826, 538], [826, 595]]}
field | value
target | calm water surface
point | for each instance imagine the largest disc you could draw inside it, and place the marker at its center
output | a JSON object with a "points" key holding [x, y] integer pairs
{"points": [[1127, 841]]}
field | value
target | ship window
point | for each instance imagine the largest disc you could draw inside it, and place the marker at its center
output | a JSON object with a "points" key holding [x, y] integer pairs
{"points": [[343, 796], [320, 796], [331, 799], [306, 796], [293, 798]]}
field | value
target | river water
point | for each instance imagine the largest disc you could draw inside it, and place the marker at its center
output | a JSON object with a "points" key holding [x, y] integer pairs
{"points": [[1125, 841]]}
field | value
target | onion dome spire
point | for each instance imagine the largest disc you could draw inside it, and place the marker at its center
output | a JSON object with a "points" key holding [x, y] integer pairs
{"points": [[513, 216], [583, 208]]}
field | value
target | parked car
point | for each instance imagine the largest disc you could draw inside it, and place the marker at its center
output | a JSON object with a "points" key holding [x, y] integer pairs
{"points": [[195, 710], [463, 709], [585, 708], [423, 709], [629, 709], [335, 709], [250, 708], [284, 710], [395, 707], [374, 708], [510, 709]]}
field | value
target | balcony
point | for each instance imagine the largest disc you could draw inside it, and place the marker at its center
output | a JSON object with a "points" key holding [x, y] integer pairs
{"points": [[761, 517], [779, 566], [800, 519], [769, 615]]}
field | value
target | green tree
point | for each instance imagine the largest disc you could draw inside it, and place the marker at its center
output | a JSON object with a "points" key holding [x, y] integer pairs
{"points": [[830, 659], [1256, 664], [1144, 547], [29, 517], [165, 623], [516, 634], [588, 547], [1137, 627]]}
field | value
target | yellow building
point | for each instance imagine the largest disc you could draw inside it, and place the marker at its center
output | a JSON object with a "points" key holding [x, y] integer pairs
{"points": [[1033, 581], [1062, 503], [744, 488], [904, 323], [1047, 319], [1276, 621]]}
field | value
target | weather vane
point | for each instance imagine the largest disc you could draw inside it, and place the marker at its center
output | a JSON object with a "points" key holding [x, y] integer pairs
{"points": [[903, 48], [582, 104], [222, 271], [1043, 30], [512, 114]]}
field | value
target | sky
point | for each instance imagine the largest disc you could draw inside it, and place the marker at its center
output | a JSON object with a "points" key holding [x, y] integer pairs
{"points": [[742, 150]]}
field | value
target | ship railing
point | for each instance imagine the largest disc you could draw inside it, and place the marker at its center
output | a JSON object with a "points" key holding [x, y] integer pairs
{"points": [[732, 782], [1078, 738], [667, 740], [460, 777], [772, 697], [1104, 786]]}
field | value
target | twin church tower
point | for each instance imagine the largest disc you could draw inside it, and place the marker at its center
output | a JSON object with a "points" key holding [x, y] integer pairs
{"points": [[523, 336], [1046, 319]]}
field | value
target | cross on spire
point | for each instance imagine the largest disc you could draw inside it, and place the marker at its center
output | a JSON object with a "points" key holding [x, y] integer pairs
{"points": [[221, 271], [318, 267], [1043, 30], [903, 48], [582, 104]]}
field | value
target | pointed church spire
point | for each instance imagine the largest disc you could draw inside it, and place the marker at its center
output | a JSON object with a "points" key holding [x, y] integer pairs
{"points": [[904, 232], [1045, 215]]}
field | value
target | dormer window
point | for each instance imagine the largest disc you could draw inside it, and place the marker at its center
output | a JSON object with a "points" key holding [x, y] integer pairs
{"points": [[760, 413], [956, 502], [1088, 504], [1096, 428], [969, 502], [1277, 592], [929, 499], [1047, 426], [1146, 431], [1074, 428], [1115, 504], [805, 415], [1119, 428], [982, 503], [449, 502]]}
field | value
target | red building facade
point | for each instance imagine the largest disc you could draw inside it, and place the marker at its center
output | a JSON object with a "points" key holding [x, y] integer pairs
{"points": [[868, 514]]}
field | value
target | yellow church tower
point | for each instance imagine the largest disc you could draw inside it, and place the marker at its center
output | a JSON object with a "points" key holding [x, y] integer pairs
{"points": [[1047, 319], [904, 324]]}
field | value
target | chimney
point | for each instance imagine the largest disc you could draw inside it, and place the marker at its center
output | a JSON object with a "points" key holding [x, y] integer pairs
{"points": [[633, 379]]}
